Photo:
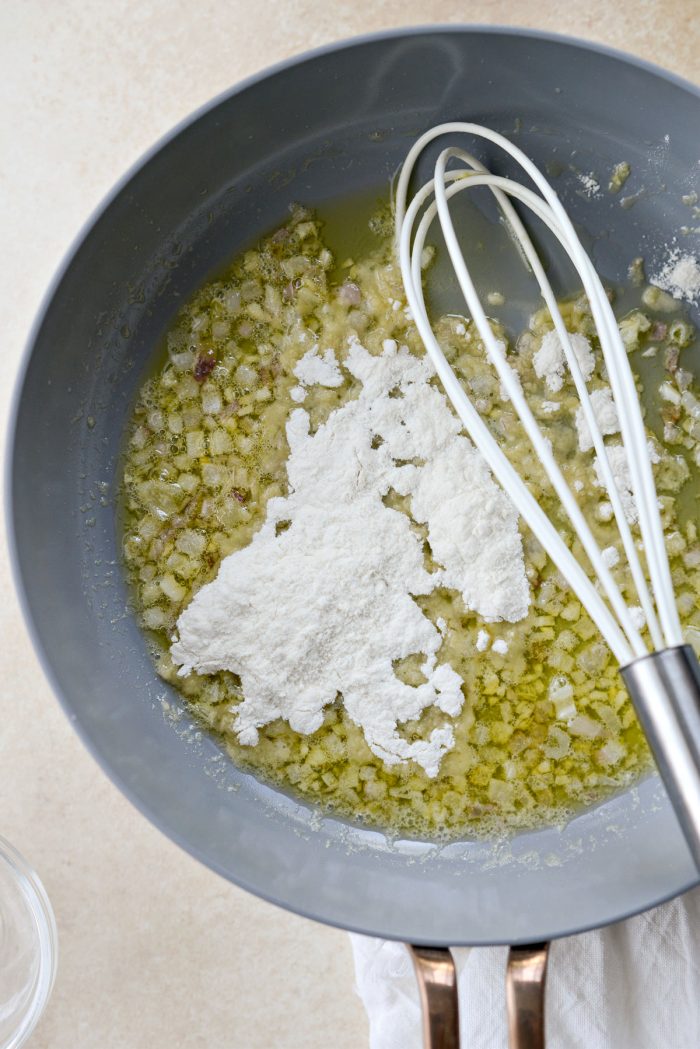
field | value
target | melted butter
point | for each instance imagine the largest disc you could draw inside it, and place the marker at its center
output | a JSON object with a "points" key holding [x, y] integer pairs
{"points": [[204, 458]]}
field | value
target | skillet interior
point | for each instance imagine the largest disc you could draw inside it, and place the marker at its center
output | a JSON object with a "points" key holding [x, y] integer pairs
{"points": [[334, 123]]}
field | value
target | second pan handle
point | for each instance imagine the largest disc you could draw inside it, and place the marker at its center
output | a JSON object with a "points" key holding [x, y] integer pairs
{"points": [[525, 984]]}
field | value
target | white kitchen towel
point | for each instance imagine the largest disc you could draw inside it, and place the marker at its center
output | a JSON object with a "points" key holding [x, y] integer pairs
{"points": [[634, 985]]}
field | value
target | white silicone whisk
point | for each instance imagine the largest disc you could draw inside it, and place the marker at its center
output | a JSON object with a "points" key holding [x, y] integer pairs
{"points": [[663, 678]]}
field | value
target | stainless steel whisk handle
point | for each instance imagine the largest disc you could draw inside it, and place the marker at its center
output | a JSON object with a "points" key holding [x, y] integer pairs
{"points": [[665, 689]]}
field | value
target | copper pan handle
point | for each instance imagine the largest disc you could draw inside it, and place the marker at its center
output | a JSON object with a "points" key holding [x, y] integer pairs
{"points": [[525, 983], [437, 982]]}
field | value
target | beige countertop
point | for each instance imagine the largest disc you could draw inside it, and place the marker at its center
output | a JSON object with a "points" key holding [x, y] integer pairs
{"points": [[156, 951]]}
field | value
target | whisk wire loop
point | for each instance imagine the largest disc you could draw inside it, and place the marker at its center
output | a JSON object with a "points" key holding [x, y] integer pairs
{"points": [[541, 445], [498, 462], [524, 244], [549, 210]]}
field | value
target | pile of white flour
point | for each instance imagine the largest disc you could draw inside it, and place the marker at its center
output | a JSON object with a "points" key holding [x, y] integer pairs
{"points": [[680, 276], [320, 604]]}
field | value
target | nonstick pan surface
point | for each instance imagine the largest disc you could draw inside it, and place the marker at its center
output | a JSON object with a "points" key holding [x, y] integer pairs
{"points": [[317, 128]]}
